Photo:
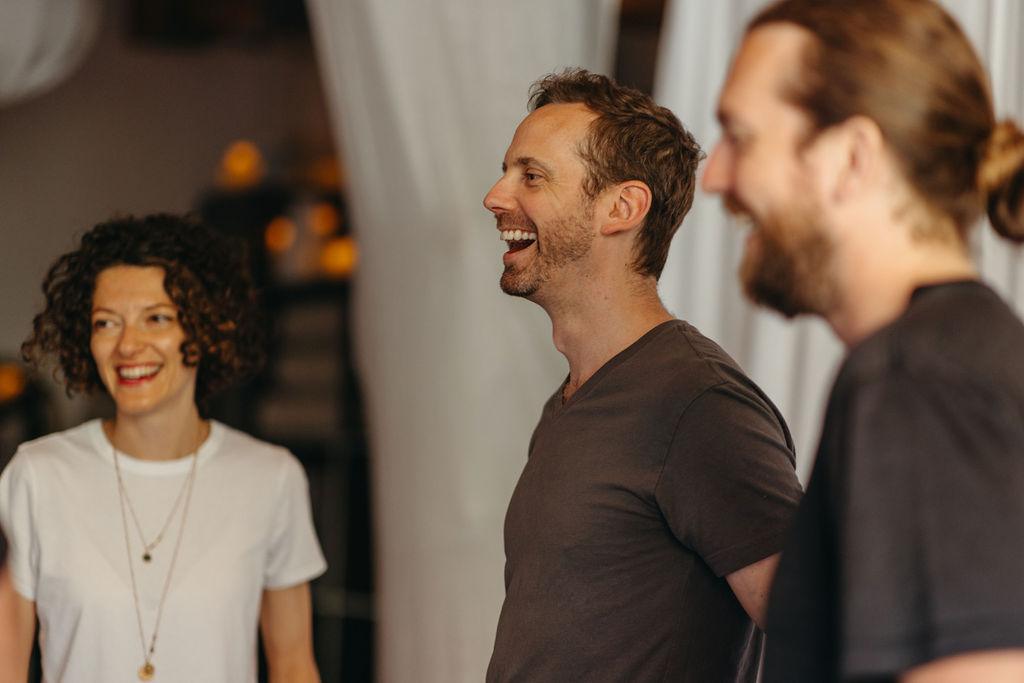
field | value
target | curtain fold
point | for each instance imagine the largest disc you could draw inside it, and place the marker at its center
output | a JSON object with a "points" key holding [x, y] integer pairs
{"points": [[794, 362], [425, 96]]}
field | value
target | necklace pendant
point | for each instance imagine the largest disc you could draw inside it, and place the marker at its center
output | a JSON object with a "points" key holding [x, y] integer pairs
{"points": [[146, 557], [146, 671]]}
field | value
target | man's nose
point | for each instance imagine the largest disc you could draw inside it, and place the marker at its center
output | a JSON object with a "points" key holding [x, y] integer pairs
{"points": [[716, 175], [498, 198]]}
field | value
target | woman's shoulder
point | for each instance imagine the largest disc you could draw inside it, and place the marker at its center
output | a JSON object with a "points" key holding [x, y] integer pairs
{"points": [[233, 443], [63, 453], [83, 437]]}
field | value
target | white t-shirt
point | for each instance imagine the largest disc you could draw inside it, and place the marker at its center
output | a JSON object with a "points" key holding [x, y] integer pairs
{"points": [[248, 528]]}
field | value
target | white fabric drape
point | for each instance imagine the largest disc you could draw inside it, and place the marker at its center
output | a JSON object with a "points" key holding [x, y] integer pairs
{"points": [[793, 362], [426, 95], [41, 42]]}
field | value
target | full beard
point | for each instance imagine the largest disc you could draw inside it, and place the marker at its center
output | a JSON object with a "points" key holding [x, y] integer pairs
{"points": [[563, 242], [789, 265]]}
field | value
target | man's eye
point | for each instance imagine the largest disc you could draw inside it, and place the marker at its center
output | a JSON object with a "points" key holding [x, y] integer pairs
{"points": [[737, 141], [531, 176]]}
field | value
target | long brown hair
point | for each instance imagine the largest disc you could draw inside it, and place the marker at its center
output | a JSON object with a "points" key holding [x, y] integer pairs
{"points": [[907, 65]]}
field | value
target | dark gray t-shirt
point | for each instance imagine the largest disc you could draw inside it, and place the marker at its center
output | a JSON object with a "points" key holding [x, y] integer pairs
{"points": [[909, 545], [666, 471]]}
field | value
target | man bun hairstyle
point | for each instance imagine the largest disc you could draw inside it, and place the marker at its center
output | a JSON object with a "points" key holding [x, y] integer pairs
{"points": [[1001, 179], [907, 65], [632, 138]]}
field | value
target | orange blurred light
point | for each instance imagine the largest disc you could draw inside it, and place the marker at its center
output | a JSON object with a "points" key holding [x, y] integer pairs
{"points": [[339, 257], [12, 381], [323, 219], [326, 173], [241, 166], [280, 234]]}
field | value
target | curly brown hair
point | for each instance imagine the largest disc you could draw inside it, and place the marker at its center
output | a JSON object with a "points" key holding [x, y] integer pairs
{"points": [[632, 138], [206, 275]]}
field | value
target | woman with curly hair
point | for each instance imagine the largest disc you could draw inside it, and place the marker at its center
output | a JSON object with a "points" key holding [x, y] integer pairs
{"points": [[155, 542]]}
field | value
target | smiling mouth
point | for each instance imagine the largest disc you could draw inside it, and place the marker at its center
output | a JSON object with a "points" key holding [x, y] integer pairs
{"points": [[518, 240], [135, 373]]}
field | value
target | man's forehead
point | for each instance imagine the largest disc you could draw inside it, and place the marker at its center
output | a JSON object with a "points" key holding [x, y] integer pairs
{"points": [[769, 57], [553, 130]]}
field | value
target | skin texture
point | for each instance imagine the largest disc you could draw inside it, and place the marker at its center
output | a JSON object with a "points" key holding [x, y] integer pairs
{"points": [[135, 328], [862, 208], [544, 174], [597, 302], [286, 618], [17, 631]]}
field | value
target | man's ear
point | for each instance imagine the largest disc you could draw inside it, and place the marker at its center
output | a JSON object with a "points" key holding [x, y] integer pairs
{"points": [[859, 155], [631, 200]]}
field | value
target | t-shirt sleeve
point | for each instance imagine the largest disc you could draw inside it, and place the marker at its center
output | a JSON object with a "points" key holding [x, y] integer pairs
{"points": [[18, 524], [728, 488], [931, 509], [294, 554]]}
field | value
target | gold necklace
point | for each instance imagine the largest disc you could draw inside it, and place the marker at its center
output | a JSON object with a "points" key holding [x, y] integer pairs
{"points": [[147, 669], [149, 547]]}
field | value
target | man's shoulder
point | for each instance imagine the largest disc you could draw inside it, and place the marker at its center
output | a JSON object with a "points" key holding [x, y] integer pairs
{"points": [[959, 332], [681, 356], [682, 346]]}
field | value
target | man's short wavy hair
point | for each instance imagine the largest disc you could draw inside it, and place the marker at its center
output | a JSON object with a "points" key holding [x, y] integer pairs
{"points": [[632, 138], [206, 275]]}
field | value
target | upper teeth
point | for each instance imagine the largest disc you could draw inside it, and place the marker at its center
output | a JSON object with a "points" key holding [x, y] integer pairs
{"points": [[137, 371], [517, 236]]}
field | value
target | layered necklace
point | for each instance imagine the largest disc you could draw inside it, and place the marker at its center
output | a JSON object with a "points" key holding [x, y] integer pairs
{"points": [[147, 669]]}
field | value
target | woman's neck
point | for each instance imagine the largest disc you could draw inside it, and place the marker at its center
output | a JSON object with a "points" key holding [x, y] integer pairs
{"points": [[157, 437]]}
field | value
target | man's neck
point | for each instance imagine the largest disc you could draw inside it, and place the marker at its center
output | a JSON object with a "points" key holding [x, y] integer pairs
{"points": [[877, 290], [591, 332]]}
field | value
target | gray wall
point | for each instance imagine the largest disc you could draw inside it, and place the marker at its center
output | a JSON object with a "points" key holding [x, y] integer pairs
{"points": [[137, 129]]}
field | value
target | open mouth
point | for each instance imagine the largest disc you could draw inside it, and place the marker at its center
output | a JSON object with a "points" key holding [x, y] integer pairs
{"points": [[136, 373], [518, 240]]}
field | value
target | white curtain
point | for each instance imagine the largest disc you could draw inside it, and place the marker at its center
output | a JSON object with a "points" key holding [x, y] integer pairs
{"points": [[426, 95], [793, 362], [41, 42]]}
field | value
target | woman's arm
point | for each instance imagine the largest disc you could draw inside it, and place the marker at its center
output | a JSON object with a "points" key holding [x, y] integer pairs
{"points": [[17, 631], [286, 623]]}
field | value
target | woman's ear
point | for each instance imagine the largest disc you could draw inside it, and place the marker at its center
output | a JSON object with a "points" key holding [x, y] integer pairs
{"points": [[631, 200]]}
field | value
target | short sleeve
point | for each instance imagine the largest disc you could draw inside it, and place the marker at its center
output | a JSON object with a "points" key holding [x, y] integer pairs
{"points": [[729, 488], [931, 515], [294, 554], [17, 520]]}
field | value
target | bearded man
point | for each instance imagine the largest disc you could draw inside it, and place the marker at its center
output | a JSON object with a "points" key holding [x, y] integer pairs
{"points": [[860, 139]]}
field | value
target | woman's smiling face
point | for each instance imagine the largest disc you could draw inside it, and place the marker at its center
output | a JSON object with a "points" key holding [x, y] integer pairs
{"points": [[136, 341]]}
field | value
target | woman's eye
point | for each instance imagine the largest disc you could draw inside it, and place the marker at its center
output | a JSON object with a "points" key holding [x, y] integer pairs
{"points": [[161, 318]]}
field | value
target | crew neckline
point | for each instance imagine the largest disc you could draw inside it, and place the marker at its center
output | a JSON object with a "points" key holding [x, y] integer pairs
{"points": [[156, 468]]}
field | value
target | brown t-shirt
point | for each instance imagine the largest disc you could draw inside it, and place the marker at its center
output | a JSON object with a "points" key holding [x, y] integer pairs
{"points": [[666, 471], [908, 547]]}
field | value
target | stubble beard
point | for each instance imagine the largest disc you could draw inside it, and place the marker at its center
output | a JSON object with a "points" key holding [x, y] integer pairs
{"points": [[563, 242]]}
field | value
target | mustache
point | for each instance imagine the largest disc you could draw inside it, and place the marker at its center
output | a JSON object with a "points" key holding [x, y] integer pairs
{"points": [[736, 208], [517, 221]]}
